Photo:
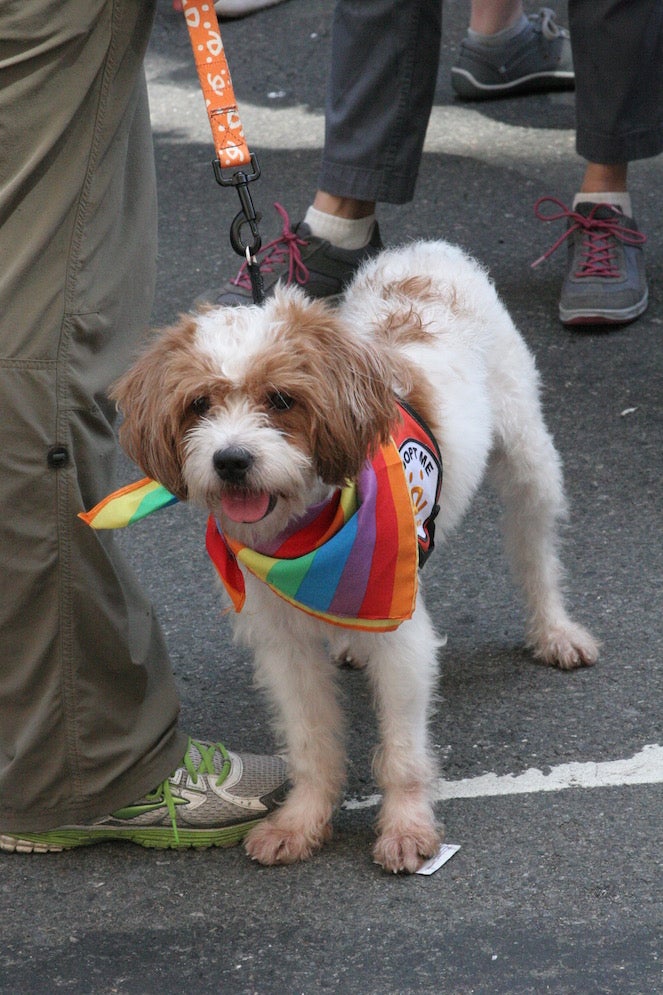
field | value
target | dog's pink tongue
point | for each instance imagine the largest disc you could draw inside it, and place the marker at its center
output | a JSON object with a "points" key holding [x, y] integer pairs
{"points": [[245, 507]]}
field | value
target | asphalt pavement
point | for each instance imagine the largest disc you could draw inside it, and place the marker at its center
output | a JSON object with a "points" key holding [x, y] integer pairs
{"points": [[551, 782]]}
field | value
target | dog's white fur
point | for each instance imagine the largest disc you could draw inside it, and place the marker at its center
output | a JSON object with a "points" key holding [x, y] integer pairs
{"points": [[424, 322]]}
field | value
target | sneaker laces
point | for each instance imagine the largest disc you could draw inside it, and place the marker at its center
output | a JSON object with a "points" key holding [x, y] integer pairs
{"points": [[276, 254], [598, 247], [545, 22], [199, 759]]}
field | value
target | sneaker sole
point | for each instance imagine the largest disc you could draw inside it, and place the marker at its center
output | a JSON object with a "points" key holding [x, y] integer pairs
{"points": [[587, 316], [467, 87], [158, 839]]}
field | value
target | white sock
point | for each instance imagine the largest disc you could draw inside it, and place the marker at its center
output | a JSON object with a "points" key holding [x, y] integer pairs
{"points": [[341, 232], [500, 37], [619, 199]]}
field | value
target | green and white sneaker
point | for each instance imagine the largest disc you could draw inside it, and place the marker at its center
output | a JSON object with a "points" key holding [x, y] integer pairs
{"points": [[213, 799]]}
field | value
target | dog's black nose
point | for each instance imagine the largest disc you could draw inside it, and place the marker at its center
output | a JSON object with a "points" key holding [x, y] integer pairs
{"points": [[232, 463]]}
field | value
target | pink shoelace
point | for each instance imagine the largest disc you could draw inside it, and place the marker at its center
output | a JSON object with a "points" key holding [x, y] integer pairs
{"points": [[282, 250], [598, 248]]}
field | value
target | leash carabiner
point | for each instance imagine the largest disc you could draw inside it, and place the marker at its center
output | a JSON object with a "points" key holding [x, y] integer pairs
{"points": [[247, 214]]}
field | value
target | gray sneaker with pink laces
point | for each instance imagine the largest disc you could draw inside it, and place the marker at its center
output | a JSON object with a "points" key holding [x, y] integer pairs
{"points": [[297, 256], [605, 282]]}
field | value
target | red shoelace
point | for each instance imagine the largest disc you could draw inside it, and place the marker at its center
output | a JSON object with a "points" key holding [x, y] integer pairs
{"points": [[598, 247], [282, 250]]}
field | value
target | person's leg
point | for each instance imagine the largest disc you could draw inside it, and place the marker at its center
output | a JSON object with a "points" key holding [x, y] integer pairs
{"points": [[488, 17], [619, 79], [619, 97], [601, 177], [376, 115], [88, 706], [379, 97], [618, 55]]}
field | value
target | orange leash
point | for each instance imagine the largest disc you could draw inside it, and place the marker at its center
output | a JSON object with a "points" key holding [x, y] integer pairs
{"points": [[227, 131], [216, 84]]}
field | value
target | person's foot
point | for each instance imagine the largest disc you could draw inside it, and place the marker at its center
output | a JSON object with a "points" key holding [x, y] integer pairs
{"points": [[213, 799], [297, 256], [605, 283], [537, 59]]}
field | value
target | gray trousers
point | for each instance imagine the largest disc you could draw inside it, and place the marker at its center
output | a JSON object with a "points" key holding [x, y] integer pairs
{"points": [[385, 56], [88, 707], [618, 59]]}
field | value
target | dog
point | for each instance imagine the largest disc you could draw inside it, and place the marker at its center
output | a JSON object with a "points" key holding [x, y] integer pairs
{"points": [[261, 413]]}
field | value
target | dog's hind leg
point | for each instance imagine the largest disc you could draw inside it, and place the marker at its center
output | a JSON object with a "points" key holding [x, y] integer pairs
{"points": [[526, 471], [402, 669]]}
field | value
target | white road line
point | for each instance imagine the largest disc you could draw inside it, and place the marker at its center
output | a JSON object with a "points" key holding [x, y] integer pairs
{"points": [[646, 767]]}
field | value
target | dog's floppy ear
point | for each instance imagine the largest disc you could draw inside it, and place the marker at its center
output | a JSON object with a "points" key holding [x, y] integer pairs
{"points": [[150, 398], [348, 392], [357, 413]]}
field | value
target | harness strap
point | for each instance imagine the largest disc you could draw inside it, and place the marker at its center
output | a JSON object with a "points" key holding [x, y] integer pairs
{"points": [[216, 84]]}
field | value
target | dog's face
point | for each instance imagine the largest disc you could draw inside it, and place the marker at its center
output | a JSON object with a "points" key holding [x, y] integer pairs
{"points": [[253, 412]]}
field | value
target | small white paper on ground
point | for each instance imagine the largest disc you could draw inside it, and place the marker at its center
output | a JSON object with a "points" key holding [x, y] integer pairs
{"points": [[445, 853]]}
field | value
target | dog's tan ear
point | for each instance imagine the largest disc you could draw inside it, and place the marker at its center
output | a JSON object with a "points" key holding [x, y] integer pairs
{"points": [[149, 398], [352, 403], [360, 413]]}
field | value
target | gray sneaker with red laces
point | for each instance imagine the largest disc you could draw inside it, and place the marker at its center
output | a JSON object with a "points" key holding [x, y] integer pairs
{"points": [[297, 256], [605, 283]]}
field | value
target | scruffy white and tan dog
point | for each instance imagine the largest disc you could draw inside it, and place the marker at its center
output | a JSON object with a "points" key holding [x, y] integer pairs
{"points": [[259, 414]]}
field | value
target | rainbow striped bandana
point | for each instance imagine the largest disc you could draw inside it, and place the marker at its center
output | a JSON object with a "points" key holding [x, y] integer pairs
{"points": [[128, 505], [353, 559]]}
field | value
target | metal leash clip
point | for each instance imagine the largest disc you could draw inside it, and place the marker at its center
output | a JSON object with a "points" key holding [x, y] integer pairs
{"points": [[247, 215]]}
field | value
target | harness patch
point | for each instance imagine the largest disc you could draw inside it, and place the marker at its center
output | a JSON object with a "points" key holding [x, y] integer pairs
{"points": [[422, 465]]}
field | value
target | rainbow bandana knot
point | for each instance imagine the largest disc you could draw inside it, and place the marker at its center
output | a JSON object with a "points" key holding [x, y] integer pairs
{"points": [[352, 560]]}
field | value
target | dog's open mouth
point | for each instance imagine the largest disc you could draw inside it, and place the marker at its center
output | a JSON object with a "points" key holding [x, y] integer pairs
{"points": [[246, 506]]}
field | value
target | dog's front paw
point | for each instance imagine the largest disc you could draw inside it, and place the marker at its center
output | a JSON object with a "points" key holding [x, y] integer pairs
{"points": [[566, 646], [405, 850], [272, 842]]}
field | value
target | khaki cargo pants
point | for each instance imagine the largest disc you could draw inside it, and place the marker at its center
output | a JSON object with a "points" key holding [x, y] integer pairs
{"points": [[88, 707]]}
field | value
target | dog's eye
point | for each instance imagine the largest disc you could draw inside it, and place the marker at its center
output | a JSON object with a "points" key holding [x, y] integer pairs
{"points": [[280, 401], [200, 405]]}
